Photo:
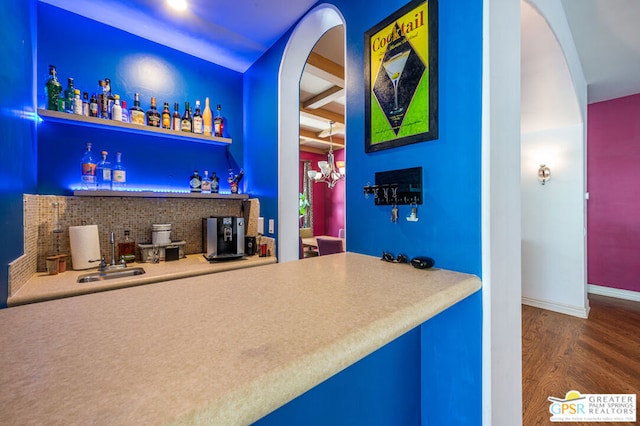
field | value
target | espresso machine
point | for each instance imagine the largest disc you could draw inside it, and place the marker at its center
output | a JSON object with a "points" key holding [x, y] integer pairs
{"points": [[223, 238]]}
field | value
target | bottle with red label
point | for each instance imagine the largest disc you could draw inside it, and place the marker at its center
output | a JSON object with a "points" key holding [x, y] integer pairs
{"points": [[88, 176]]}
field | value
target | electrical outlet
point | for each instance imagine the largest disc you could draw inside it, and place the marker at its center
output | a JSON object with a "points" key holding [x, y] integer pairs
{"points": [[272, 226], [261, 225]]}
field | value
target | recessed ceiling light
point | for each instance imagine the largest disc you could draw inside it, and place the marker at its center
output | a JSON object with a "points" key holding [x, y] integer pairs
{"points": [[178, 4]]}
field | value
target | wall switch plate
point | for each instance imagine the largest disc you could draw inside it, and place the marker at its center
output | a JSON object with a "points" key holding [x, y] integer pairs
{"points": [[261, 225], [272, 226]]}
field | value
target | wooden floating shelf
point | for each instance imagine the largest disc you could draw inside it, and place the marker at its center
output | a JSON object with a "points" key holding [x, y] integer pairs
{"points": [[99, 123], [159, 194]]}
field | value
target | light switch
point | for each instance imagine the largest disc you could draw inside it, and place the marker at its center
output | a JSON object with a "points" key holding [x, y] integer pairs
{"points": [[261, 225], [272, 226]]}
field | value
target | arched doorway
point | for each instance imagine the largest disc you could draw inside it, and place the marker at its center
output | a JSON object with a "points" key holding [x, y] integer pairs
{"points": [[304, 37]]}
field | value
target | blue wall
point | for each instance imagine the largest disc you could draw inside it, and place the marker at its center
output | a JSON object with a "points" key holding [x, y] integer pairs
{"points": [[134, 65], [17, 132]]}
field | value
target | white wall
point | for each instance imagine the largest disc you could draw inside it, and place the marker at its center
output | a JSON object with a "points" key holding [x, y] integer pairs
{"points": [[554, 105]]}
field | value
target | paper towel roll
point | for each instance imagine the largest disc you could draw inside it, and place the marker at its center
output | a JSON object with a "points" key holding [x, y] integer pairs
{"points": [[85, 246]]}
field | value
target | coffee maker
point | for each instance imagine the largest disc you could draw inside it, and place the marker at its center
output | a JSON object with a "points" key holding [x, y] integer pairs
{"points": [[223, 238]]}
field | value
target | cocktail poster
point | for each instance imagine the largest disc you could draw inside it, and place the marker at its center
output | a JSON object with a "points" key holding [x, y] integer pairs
{"points": [[401, 78]]}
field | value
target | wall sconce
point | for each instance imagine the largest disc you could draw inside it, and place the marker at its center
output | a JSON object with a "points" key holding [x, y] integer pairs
{"points": [[544, 174]]}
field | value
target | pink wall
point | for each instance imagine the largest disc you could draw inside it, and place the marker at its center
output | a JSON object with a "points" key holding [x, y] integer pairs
{"points": [[613, 182], [328, 204]]}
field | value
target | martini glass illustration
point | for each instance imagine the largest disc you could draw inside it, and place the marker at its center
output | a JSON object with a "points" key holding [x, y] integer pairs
{"points": [[394, 67]]}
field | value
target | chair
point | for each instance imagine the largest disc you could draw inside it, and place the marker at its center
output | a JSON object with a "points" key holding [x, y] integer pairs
{"points": [[329, 246]]}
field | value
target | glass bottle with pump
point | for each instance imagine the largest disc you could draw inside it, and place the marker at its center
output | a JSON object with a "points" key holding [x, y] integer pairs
{"points": [[218, 123], [52, 89], [88, 176], [118, 174], [103, 173], [207, 119], [153, 116], [116, 109], [166, 116], [197, 119], [176, 121], [186, 122], [205, 184], [127, 248], [69, 96], [136, 113]]}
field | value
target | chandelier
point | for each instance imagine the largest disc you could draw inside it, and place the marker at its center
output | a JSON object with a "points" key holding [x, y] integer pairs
{"points": [[330, 171]]}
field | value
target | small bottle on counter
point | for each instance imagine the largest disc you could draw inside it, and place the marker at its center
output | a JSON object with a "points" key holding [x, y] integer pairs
{"points": [[195, 182], [118, 175], [205, 185], [127, 248]]}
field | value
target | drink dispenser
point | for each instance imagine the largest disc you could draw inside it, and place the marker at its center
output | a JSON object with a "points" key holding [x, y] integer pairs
{"points": [[223, 237]]}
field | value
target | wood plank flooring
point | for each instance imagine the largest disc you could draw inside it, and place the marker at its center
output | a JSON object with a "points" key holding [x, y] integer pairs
{"points": [[562, 353]]}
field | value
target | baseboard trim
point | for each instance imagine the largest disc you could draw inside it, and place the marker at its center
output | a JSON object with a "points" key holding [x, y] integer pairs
{"points": [[575, 311], [614, 292]]}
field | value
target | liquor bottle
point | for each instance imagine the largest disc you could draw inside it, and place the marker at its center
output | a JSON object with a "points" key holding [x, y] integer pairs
{"points": [[127, 248], [85, 104], [118, 174], [77, 103], [136, 113], [195, 182], [215, 183], [103, 100], [153, 116], [166, 116], [205, 184], [186, 122], [69, 96], [197, 119], [88, 176], [52, 89], [207, 119], [93, 106], [103, 173], [176, 121], [125, 112], [218, 123], [116, 109], [110, 98]]}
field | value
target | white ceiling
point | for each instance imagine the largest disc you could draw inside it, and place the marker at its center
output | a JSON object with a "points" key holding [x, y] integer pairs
{"points": [[236, 33]]}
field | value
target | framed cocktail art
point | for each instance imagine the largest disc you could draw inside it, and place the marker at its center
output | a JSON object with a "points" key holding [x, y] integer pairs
{"points": [[401, 77]]}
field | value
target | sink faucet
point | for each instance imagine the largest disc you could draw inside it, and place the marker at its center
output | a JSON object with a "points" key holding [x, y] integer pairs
{"points": [[113, 249]]}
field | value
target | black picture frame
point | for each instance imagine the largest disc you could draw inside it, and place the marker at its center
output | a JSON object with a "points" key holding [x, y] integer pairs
{"points": [[401, 102]]}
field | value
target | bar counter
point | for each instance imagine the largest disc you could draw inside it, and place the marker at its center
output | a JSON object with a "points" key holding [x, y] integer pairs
{"points": [[220, 349]]}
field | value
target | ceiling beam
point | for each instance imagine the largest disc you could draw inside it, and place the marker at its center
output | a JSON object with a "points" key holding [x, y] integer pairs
{"points": [[325, 69], [323, 114], [324, 98], [309, 135]]}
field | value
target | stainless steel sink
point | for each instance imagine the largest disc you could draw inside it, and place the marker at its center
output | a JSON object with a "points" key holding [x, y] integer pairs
{"points": [[109, 275]]}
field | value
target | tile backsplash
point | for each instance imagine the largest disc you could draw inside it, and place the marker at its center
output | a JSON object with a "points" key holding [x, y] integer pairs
{"points": [[117, 214]]}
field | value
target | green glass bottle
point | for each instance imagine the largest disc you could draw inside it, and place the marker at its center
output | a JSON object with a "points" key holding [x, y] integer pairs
{"points": [[52, 89]]}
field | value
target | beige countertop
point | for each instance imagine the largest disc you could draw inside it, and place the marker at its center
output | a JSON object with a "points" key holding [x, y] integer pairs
{"points": [[220, 349], [43, 286]]}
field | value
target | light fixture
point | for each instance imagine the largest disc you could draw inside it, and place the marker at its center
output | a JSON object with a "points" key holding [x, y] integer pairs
{"points": [[178, 4], [330, 171], [544, 174]]}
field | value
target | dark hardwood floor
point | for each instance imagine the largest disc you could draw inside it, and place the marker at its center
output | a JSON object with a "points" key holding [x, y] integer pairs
{"points": [[562, 353]]}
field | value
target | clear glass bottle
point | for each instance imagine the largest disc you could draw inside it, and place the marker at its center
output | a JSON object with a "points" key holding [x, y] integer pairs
{"points": [[205, 184], [103, 173], [166, 116], [69, 96], [77, 103], [197, 119], [176, 120], [153, 116], [195, 182], [118, 174], [85, 104], [215, 183], [52, 89], [116, 109], [127, 248], [207, 119], [88, 175], [136, 114], [218, 123], [186, 122], [125, 112]]}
